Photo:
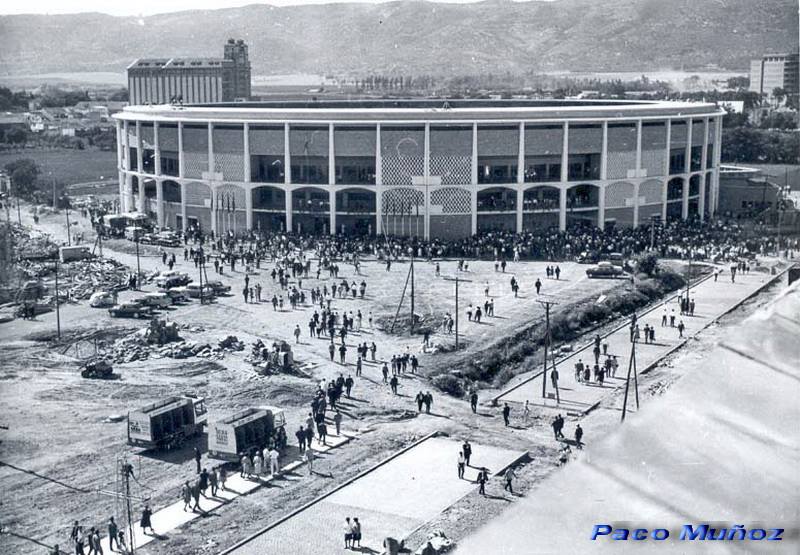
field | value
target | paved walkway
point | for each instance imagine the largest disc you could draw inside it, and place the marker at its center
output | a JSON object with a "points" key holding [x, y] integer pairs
{"points": [[391, 500], [711, 300], [173, 516]]}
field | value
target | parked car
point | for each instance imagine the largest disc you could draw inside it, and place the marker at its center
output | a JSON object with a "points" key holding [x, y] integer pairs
{"points": [[172, 278], [103, 299], [131, 309], [587, 257], [604, 270], [193, 290], [157, 300], [167, 239], [218, 287], [178, 294]]}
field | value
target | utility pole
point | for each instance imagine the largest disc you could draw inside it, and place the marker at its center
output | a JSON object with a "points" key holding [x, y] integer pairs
{"points": [[50, 548], [138, 267], [412, 290], [631, 367], [546, 303], [457, 280], [200, 261], [58, 303], [69, 231]]}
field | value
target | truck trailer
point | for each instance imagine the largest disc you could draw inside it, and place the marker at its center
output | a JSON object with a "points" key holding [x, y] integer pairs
{"points": [[167, 423], [251, 428]]}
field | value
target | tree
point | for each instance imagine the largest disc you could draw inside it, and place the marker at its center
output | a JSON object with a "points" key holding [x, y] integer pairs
{"points": [[24, 174], [16, 136], [779, 94]]}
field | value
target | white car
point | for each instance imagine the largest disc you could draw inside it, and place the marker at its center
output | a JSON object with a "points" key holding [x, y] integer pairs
{"points": [[103, 299]]}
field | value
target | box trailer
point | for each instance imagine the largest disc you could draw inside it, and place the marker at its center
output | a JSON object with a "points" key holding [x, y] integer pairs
{"points": [[251, 428], [167, 423]]}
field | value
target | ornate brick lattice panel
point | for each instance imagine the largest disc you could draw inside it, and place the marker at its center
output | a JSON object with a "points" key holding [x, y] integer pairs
{"points": [[195, 163], [650, 192], [197, 194], [454, 170], [653, 161], [403, 201], [619, 163], [619, 195], [451, 201], [231, 165], [397, 170]]}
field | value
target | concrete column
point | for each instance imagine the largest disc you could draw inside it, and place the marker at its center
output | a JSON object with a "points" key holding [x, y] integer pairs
{"points": [[287, 155], [331, 157], [214, 209], [520, 175], [639, 148], [126, 145], [474, 210], [181, 157], [139, 168], [248, 206], [687, 170], [701, 201], [717, 162], [666, 173], [636, 203], [157, 149], [562, 207], [183, 206], [474, 191], [211, 166], [246, 149], [604, 154], [601, 207], [520, 198], [332, 194], [565, 154], [122, 199], [288, 204], [160, 202], [130, 203], [427, 178], [378, 182]]}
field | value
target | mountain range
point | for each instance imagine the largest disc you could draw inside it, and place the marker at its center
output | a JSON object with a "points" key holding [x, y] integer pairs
{"points": [[415, 37]]}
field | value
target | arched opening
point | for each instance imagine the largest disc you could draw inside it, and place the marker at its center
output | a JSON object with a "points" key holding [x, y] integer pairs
{"points": [[171, 193], [355, 212], [311, 208], [675, 198], [198, 206], [497, 209], [269, 208], [540, 207], [450, 213], [650, 201], [582, 206]]}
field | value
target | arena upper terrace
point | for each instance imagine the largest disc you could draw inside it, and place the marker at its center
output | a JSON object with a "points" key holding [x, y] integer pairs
{"points": [[431, 168]]}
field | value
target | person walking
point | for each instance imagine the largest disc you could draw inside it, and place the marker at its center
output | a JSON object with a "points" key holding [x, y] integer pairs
{"points": [[222, 476], [113, 532], [197, 458], [428, 402], [356, 533], [681, 327], [297, 334], [348, 533], [510, 477], [337, 420], [385, 372], [300, 434], [473, 401], [461, 465], [393, 384], [186, 495], [146, 521], [310, 460], [203, 480], [506, 413], [212, 482], [274, 459], [466, 448], [578, 437], [482, 479]]}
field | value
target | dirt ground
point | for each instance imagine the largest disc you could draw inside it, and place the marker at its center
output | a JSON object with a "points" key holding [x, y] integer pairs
{"points": [[60, 425]]}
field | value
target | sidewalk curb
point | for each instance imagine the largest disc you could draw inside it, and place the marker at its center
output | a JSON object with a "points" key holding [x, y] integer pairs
{"points": [[319, 498], [647, 310]]}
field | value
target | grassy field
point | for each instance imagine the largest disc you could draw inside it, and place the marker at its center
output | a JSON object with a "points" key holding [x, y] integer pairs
{"points": [[68, 166]]}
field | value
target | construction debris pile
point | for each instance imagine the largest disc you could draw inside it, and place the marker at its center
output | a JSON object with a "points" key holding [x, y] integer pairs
{"points": [[437, 543], [78, 279], [266, 360], [161, 339]]}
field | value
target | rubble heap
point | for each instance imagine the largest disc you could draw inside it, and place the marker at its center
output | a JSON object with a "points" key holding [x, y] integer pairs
{"points": [[278, 358], [160, 332], [97, 369], [162, 340]]}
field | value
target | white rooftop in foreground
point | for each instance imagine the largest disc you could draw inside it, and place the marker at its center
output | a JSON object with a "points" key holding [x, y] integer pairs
{"points": [[722, 447]]}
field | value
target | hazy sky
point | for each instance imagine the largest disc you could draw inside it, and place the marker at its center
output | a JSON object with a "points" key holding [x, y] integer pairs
{"points": [[147, 7]]}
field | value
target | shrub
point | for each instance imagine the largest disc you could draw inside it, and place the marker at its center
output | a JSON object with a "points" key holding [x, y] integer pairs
{"points": [[449, 384]]}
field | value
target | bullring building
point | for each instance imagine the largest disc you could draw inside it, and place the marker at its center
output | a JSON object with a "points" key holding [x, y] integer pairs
{"points": [[426, 168]]}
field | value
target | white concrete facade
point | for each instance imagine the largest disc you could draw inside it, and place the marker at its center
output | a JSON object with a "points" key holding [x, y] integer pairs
{"points": [[400, 190]]}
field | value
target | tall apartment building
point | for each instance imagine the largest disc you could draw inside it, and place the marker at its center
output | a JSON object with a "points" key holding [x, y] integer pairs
{"points": [[775, 71], [194, 80]]}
